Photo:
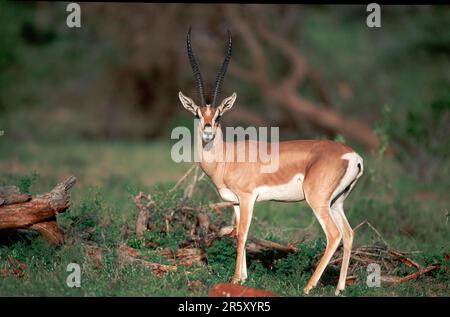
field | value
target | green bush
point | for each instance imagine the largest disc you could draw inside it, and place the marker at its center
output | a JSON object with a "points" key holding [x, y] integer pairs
{"points": [[222, 255], [26, 182], [442, 260], [82, 221], [303, 261]]}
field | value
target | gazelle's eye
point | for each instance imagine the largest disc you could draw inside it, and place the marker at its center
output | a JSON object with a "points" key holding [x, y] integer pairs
{"points": [[197, 115]]}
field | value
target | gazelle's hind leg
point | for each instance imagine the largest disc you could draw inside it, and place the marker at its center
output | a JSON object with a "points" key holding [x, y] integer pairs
{"points": [[319, 188], [333, 236], [325, 194], [353, 173], [347, 237]]}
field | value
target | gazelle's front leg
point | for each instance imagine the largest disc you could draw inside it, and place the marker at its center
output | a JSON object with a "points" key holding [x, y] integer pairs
{"points": [[243, 224]]}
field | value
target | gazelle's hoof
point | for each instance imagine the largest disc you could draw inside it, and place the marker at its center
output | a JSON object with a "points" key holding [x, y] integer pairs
{"points": [[238, 280], [307, 289], [235, 280], [338, 291]]}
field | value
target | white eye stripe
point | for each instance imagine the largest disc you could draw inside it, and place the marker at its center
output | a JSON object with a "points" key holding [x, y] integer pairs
{"points": [[217, 115]]}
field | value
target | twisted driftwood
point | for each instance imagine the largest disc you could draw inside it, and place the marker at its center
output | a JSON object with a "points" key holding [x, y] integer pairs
{"points": [[20, 211]]}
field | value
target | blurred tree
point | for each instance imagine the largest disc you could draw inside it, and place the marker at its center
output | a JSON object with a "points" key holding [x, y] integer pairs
{"points": [[311, 70], [153, 37]]}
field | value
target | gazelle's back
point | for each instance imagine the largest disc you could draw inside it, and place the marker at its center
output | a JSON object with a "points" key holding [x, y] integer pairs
{"points": [[295, 158]]}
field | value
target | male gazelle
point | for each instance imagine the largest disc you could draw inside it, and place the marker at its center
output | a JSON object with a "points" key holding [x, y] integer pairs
{"points": [[319, 171]]}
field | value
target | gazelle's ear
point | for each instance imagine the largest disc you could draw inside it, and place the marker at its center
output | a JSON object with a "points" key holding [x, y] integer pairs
{"points": [[188, 103], [227, 103]]}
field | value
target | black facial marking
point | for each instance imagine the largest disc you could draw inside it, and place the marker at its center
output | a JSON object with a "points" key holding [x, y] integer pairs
{"points": [[218, 118]]}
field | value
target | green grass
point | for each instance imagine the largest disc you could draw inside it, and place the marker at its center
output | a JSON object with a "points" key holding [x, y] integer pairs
{"points": [[410, 214]]}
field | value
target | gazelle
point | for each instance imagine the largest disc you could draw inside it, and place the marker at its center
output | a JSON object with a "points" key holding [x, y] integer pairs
{"points": [[321, 172]]}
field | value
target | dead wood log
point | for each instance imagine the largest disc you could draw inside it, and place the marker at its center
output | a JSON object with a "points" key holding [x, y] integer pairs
{"points": [[49, 230], [12, 195], [38, 213]]}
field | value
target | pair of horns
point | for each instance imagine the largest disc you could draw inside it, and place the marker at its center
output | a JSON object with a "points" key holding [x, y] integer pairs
{"points": [[198, 75]]}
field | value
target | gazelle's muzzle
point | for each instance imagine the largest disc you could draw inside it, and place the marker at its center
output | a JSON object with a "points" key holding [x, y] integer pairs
{"points": [[208, 134]]}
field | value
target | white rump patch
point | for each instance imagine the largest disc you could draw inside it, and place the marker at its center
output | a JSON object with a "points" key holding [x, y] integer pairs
{"points": [[292, 191], [352, 171]]}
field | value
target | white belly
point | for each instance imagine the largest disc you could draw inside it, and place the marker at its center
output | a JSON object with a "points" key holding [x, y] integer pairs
{"points": [[292, 191]]}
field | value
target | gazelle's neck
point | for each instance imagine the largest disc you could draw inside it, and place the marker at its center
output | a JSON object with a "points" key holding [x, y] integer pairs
{"points": [[211, 153]]}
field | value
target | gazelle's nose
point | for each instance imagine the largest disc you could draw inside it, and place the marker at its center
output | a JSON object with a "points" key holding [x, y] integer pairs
{"points": [[208, 134]]}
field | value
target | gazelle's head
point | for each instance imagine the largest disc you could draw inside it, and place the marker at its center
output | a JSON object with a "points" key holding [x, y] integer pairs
{"points": [[209, 111]]}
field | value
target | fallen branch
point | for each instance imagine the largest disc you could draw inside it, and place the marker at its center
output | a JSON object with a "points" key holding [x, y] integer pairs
{"points": [[394, 281], [38, 213], [407, 261], [272, 245]]}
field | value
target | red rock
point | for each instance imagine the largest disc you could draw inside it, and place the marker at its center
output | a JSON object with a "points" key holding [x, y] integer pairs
{"points": [[234, 290]]}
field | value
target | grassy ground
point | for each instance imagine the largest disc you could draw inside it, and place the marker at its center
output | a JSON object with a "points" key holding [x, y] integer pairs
{"points": [[411, 216]]}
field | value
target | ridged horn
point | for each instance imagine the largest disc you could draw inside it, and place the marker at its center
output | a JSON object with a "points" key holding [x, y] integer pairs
{"points": [[222, 71], [195, 70]]}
